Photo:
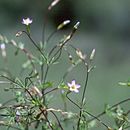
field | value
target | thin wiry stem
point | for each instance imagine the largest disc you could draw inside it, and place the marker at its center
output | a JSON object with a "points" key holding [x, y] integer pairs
{"points": [[10, 100], [50, 91], [72, 101], [57, 120], [96, 119], [43, 42], [45, 19], [59, 55], [44, 80], [70, 69], [82, 57], [9, 126], [115, 105], [45, 115], [86, 112], [85, 86], [127, 127], [62, 44], [51, 51], [42, 72], [50, 36], [34, 43], [58, 51], [45, 76], [27, 53], [83, 96], [11, 80]]}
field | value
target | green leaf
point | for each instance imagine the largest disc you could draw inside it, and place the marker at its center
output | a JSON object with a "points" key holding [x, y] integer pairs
{"points": [[63, 86], [47, 85]]}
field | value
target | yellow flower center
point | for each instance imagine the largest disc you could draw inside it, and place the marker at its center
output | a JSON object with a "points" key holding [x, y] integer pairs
{"points": [[73, 87]]}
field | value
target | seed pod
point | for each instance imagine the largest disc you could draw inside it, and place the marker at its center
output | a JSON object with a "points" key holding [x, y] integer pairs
{"points": [[63, 24]]}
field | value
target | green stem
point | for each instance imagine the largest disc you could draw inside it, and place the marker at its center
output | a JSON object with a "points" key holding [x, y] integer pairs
{"points": [[83, 96], [104, 112], [29, 36]]}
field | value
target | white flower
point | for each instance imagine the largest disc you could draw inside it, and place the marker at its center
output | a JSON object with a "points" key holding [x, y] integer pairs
{"points": [[27, 21], [2, 46], [3, 50], [73, 86]]}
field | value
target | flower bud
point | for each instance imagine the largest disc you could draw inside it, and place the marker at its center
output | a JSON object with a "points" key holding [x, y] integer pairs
{"points": [[63, 24], [76, 25], [18, 34], [80, 54], [92, 54], [53, 4]]}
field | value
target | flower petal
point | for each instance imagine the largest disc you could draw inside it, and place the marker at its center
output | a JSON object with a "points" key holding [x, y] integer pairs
{"points": [[78, 86], [73, 86], [76, 90], [73, 82]]}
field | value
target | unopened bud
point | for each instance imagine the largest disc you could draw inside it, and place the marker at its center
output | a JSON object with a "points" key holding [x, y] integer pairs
{"points": [[80, 54], [53, 4], [18, 34], [92, 54], [112, 129], [13, 42], [63, 24], [122, 84], [70, 57], [76, 25]]}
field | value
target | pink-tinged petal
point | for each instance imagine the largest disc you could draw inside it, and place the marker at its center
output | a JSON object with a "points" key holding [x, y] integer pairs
{"points": [[73, 82], [76, 90], [78, 86], [73, 86], [69, 84]]}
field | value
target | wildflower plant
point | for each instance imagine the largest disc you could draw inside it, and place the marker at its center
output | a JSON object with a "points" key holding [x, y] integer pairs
{"points": [[32, 94]]}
